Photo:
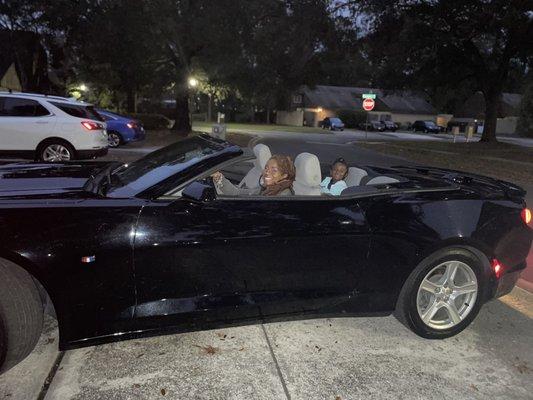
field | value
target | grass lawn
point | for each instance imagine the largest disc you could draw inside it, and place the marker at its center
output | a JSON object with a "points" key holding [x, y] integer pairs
{"points": [[499, 160], [259, 127]]}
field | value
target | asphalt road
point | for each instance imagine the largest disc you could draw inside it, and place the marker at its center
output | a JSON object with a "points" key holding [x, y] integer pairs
{"points": [[341, 358]]}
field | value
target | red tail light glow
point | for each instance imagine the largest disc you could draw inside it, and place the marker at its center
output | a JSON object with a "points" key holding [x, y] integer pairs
{"points": [[92, 126], [526, 215], [497, 267]]}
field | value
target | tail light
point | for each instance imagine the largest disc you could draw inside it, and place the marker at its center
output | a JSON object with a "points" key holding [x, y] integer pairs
{"points": [[497, 267], [92, 126], [526, 215], [131, 125]]}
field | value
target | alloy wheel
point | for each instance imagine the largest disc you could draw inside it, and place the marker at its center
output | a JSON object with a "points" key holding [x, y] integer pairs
{"points": [[113, 139], [56, 152], [447, 294]]}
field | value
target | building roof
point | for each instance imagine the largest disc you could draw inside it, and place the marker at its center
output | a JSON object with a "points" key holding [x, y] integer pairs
{"points": [[345, 97], [474, 106]]}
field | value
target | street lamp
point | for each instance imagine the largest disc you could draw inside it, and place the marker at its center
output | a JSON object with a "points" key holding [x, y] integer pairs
{"points": [[193, 82], [83, 87]]}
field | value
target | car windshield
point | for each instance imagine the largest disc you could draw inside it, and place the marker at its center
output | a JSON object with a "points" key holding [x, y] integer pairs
{"points": [[335, 120], [128, 180], [430, 123]]}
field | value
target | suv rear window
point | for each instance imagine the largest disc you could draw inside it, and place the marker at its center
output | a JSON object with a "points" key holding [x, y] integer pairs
{"points": [[79, 111], [17, 107]]}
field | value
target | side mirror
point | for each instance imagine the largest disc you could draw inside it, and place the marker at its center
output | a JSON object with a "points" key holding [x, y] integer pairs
{"points": [[199, 192]]}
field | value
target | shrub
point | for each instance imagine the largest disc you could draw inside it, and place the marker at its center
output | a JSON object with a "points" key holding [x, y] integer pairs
{"points": [[352, 118], [153, 121]]}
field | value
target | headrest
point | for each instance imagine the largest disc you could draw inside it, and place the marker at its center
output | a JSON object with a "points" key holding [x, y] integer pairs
{"points": [[381, 179], [307, 169], [262, 155], [354, 176]]}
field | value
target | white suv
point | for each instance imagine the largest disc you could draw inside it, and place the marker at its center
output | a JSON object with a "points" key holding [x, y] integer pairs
{"points": [[50, 128]]}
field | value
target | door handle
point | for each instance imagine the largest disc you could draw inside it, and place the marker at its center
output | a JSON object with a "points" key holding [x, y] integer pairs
{"points": [[41, 122]]}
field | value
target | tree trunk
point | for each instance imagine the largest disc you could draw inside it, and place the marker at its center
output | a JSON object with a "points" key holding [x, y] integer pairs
{"points": [[130, 100], [268, 115], [492, 102], [182, 116]]}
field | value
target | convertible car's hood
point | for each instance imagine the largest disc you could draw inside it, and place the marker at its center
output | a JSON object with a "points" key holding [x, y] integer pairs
{"points": [[46, 180]]}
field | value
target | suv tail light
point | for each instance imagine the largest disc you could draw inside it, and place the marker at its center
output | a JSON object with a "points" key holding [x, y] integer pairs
{"points": [[92, 126], [526, 215]]}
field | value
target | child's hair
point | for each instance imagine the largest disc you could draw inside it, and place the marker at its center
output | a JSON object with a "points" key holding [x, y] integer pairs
{"points": [[340, 160]]}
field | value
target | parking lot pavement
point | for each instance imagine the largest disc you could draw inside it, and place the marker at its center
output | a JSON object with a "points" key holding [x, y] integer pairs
{"points": [[25, 381], [338, 358]]}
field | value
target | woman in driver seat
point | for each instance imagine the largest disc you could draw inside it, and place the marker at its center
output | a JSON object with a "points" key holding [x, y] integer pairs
{"points": [[276, 180]]}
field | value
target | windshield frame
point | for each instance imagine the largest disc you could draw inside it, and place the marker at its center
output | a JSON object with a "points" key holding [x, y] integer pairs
{"points": [[182, 171]]}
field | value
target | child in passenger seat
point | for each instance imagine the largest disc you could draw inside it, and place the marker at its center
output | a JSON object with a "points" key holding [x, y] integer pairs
{"points": [[335, 184]]}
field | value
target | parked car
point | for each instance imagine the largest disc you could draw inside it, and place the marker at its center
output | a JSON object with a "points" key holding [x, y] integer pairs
{"points": [[390, 126], [373, 126], [127, 250], [121, 129], [50, 128], [332, 124], [425, 126]]}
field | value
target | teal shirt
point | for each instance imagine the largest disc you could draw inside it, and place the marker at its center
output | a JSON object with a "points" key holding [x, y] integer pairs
{"points": [[335, 189]]}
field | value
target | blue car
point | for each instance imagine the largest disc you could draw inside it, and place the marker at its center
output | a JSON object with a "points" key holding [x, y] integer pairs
{"points": [[121, 129]]}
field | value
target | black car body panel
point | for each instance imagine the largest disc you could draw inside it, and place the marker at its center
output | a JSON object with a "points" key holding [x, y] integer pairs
{"points": [[122, 267]]}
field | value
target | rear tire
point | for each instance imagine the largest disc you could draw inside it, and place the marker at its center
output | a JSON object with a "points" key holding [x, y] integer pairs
{"points": [[55, 151], [21, 314], [114, 139], [409, 307]]}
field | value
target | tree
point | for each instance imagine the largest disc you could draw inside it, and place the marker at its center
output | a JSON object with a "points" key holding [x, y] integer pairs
{"points": [[113, 46], [449, 43]]}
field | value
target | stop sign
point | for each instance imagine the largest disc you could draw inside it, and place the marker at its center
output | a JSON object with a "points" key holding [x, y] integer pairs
{"points": [[368, 104]]}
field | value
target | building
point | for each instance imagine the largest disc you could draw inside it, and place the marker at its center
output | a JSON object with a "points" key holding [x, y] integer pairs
{"points": [[472, 113], [309, 106], [9, 79]]}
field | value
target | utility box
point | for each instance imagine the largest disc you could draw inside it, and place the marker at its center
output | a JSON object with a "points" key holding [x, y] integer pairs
{"points": [[219, 131]]}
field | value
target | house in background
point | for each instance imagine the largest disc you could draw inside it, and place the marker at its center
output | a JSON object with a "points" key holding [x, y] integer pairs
{"points": [[309, 106], [472, 113], [9, 79]]}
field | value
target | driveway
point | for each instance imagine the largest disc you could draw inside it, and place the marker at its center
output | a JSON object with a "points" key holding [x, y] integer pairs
{"points": [[340, 358]]}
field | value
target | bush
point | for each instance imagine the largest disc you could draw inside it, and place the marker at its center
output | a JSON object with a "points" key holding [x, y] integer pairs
{"points": [[352, 118], [153, 121]]}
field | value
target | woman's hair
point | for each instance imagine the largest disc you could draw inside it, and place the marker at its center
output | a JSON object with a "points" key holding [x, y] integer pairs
{"points": [[285, 165]]}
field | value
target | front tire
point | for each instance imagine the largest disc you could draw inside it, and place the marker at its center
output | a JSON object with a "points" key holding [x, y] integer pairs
{"points": [[443, 295], [21, 314]]}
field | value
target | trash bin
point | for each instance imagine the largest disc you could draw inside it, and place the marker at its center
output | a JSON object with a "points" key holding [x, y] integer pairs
{"points": [[219, 131]]}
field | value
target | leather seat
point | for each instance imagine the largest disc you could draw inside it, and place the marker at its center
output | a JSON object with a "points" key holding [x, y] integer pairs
{"points": [[308, 175], [262, 155], [354, 176]]}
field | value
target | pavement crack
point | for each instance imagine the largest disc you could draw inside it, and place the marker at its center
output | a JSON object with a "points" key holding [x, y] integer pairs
{"points": [[278, 369], [50, 377]]}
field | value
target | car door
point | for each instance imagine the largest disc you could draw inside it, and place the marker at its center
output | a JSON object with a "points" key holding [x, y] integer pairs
{"points": [[236, 258], [23, 123]]}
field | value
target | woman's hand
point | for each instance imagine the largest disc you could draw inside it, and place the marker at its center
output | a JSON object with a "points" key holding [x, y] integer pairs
{"points": [[217, 177]]}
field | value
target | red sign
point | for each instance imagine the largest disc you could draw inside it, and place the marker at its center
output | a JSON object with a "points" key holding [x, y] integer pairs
{"points": [[368, 104]]}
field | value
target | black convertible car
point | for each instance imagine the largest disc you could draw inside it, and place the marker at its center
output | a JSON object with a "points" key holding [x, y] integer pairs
{"points": [[118, 251]]}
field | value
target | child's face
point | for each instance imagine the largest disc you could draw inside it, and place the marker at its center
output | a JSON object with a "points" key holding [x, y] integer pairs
{"points": [[338, 171]]}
